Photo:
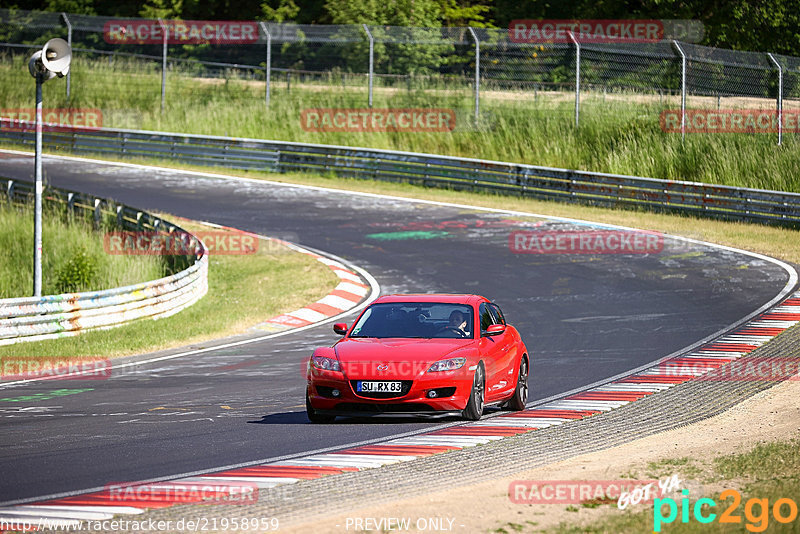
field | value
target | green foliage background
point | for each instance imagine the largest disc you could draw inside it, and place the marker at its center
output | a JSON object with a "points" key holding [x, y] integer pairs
{"points": [[771, 25]]}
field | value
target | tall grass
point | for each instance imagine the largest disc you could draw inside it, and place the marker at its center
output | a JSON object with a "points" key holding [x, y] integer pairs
{"points": [[617, 133], [73, 257]]}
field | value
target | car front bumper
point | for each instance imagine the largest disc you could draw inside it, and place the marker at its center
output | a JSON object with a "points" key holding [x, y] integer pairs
{"points": [[452, 394]]}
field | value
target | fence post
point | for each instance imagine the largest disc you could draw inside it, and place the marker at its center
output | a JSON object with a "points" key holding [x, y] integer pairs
{"points": [[477, 73], [780, 97], [97, 214], [69, 42], [269, 60], [163, 65], [683, 89], [371, 60], [577, 78]]}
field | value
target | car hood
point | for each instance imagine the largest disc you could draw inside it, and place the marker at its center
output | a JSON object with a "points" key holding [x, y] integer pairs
{"points": [[398, 359]]}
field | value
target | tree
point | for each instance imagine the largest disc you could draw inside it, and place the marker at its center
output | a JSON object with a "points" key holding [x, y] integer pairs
{"points": [[386, 12], [286, 10], [162, 9], [464, 14]]}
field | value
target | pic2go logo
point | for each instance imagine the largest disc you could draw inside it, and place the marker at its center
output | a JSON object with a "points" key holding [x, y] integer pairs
{"points": [[756, 511]]}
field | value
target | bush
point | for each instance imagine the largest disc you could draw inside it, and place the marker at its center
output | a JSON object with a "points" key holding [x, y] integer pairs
{"points": [[78, 273]]}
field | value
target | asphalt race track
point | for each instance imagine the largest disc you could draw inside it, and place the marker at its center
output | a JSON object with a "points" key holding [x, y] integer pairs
{"points": [[586, 317]]}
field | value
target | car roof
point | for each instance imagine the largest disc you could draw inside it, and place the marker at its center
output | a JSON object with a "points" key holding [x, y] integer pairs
{"points": [[446, 298]]}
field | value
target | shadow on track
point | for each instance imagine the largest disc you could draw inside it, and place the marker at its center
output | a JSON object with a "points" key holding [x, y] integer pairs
{"points": [[299, 418]]}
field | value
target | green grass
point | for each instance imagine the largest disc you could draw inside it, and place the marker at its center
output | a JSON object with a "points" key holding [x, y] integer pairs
{"points": [[618, 133], [686, 466], [243, 291], [775, 460], [73, 257]]}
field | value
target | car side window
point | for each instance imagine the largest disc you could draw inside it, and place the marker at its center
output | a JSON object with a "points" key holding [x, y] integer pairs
{"points": [[497, 313], [486, 317]]}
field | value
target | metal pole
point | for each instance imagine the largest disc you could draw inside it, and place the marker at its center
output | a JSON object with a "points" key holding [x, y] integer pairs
{"points": [[477, 73], [577, 78], [683, 89], [69, 42], [37, 220], [163, 65], [371, 60], [780, 97], [269, 60]]}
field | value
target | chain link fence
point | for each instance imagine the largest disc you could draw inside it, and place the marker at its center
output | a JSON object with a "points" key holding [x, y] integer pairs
{"points": [[468, 68]]}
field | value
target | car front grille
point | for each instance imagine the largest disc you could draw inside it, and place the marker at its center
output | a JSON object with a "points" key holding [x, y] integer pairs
{"points": [[357, 407]]}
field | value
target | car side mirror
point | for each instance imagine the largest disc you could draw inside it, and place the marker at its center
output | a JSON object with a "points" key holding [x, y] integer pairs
{"points": [[495, 329], [340, 328]]}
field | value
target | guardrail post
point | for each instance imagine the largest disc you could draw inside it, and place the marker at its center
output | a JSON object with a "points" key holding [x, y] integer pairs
{"points": [[683, 89], [97, 213], [371, 60], [119, 217], [780, 97], [577, 78], [69, 42], [163, 65], [268, 68], [477, 73], [10, 191], [71, 204]]}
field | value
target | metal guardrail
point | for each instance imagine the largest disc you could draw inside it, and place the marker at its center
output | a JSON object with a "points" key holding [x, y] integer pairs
{"points": [[602, 189], [52, 316]]}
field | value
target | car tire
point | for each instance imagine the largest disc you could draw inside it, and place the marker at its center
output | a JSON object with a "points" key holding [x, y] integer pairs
{"points": [[474, 409], [520, 398], [316, 417]]}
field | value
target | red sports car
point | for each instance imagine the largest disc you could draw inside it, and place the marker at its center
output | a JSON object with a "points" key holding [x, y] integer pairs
{"points": [[420, 354]]}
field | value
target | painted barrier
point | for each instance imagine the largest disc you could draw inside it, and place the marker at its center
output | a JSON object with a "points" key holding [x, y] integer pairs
{"points": [[53, 316]]}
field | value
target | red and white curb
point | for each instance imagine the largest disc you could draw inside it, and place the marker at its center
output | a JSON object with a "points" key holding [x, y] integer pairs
{"points": [[743, 340], [350, 292]]}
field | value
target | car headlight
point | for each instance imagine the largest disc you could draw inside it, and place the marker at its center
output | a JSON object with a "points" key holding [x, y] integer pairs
{"points": [[450, 364], [327, 364]]}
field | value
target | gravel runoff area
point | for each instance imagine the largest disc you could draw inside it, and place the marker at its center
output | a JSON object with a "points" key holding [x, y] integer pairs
{"points": [[682, 405]]}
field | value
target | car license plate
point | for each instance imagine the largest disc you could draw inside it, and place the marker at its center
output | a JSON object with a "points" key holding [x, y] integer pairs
{"points": [[379, 387]]}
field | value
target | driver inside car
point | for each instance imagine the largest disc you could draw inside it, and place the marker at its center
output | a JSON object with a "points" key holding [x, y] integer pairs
{"points": [[457, 324]]}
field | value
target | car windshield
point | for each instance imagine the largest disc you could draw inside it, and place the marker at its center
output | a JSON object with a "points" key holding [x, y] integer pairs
{"points": [[415, 320]]}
